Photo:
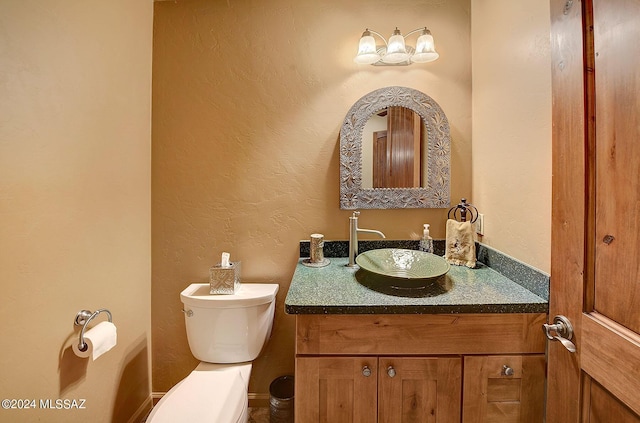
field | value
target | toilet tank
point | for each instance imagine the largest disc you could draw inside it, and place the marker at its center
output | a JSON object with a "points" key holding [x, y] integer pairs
{"points": [[228, 328]]}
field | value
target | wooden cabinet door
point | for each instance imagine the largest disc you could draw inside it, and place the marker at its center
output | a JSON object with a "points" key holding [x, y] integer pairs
{"points": [[503, 389], [596, 196], [336, 390], [419, 390]]}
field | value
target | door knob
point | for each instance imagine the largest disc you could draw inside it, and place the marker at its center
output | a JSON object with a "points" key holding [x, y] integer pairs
{"points": [[563, 332], [391, 371], [366, 371]]}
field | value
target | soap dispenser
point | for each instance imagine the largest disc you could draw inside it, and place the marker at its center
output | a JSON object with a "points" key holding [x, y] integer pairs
{"points": [[426, 243]]}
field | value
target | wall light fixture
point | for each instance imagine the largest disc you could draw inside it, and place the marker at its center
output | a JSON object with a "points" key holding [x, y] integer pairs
{"points": [[395, 52]]}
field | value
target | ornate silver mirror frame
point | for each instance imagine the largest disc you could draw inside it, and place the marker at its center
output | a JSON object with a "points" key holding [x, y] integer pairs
{"points": [[437, 192]]}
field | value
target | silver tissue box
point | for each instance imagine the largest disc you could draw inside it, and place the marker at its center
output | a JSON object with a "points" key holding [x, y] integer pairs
{"points": [[225, 280]]}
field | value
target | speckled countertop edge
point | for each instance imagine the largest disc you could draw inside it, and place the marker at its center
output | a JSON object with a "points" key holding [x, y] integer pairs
{"points": [[505, 285], [521, 273]]}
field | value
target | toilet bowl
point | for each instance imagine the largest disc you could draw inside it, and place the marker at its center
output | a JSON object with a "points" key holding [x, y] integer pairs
{"points": [[225, 332], [210, 393]]}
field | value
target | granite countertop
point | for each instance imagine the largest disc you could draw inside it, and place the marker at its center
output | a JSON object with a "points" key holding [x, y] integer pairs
{"points": [[499, 284]]}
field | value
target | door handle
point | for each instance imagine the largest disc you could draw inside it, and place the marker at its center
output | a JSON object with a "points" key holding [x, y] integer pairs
{"points": [[563, 332]]}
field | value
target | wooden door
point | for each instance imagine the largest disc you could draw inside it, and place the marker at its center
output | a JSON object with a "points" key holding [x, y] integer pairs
{"points": [[336, 390], [403, 126], [595, 265], [419, 390], [403, 147], [397, 151], [380, 165], [505, 389]]}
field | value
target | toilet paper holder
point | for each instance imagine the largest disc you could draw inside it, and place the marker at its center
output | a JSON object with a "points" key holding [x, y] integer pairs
{"points": [[83, 318]]}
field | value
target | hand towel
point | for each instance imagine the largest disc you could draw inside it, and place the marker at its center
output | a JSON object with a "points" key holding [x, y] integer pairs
{"points": [[460, 247]]}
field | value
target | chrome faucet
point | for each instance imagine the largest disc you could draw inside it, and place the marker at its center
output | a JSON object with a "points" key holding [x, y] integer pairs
{"points": [[353, 238]]}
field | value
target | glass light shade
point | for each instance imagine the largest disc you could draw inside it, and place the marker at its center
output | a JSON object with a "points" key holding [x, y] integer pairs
{"points": [[367, 53], [396, 50], [425, 49]]}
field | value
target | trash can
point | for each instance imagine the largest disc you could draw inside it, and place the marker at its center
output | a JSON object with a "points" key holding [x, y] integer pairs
{"points": [[281, 400]]}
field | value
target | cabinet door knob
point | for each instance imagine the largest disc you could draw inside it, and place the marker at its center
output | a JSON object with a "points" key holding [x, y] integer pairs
{"points": [[391, 371], [507, 371], [366, 371]]}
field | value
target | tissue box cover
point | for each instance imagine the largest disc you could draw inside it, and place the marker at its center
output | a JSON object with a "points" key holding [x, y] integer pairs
{"points": [[225, 280]]}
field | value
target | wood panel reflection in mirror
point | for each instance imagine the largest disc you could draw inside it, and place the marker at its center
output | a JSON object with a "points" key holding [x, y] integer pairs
{"points": [[392, 149], [395, 152]]}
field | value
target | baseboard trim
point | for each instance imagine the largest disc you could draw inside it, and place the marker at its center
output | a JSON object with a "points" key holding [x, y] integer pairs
{"points": [[258, 400], [156, 396], [142, 412]]}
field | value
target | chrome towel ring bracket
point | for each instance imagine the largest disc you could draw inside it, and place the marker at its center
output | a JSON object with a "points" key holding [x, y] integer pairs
{"points": [[83, 318], [461, 211]]}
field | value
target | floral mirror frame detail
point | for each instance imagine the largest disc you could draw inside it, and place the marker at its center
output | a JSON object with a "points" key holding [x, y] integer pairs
{"points": [[437, 192]]}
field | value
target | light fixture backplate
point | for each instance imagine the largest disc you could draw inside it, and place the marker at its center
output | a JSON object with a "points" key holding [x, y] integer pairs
{"points": [[382, 50]]}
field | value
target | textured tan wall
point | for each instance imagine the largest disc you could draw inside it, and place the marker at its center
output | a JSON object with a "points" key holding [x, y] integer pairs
{"points": [[74, 202], [248, 100], [512, 126]]}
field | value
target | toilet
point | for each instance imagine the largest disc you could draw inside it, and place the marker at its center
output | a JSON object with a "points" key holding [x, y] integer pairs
{"points": [[225, 332]]}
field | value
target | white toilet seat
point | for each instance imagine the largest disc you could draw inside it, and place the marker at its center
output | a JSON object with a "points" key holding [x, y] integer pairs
{"points": [[211, 393]]}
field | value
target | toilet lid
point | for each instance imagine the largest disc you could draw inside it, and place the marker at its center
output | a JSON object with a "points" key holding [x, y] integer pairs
{"points": [[203, 396], [248, 295]]}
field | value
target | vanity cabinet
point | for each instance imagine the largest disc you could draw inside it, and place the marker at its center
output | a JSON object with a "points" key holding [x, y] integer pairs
{"points": [[396, 368], [382, 389], [505, 389], [419, 389], [336, 389]]}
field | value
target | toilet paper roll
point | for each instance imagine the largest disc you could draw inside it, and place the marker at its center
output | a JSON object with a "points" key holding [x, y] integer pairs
{"points": [[99, 339]]}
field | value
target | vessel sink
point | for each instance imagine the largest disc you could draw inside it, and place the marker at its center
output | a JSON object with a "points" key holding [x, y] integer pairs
{"points": [[403, 273], [410, 265]]}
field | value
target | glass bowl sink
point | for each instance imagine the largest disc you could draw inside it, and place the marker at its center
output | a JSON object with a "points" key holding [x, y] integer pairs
{"points": [[405, 264]]}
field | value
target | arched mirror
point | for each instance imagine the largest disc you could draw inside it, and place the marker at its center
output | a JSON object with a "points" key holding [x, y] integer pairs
{"points": [[395, 152]]}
